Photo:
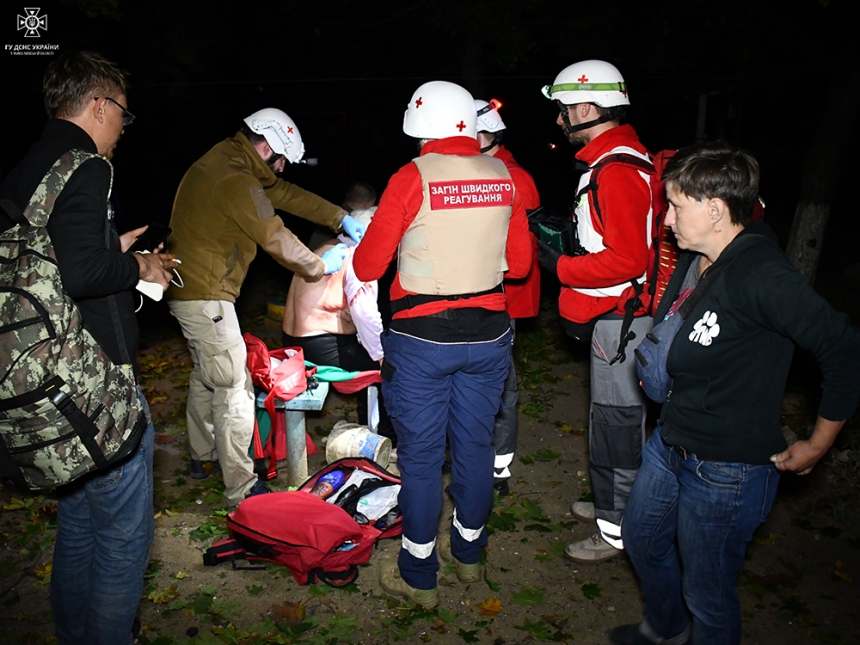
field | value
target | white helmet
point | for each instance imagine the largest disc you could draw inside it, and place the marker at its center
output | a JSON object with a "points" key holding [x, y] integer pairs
{"points": [[440, 109], [489, 119], [280, 132], [589, 81]]}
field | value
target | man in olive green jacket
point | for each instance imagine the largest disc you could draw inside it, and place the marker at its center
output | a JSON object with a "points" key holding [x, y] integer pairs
{"points": [[225, 207]]}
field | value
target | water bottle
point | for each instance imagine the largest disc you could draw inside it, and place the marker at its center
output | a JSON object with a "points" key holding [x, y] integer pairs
{"points": [[328, 484]]}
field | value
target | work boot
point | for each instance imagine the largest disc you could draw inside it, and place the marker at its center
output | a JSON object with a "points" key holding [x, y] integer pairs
{"points": [[583, 511], [466, 573], [392, 583], [199, 470], [259, 488], [631, 635], [590, 550], [502, 486]]}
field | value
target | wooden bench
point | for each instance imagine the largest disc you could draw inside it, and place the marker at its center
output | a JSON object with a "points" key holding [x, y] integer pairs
{"points": [[294, 413]]}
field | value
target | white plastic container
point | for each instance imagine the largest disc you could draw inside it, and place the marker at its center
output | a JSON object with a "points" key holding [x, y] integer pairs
{"points": [[353, 440]]}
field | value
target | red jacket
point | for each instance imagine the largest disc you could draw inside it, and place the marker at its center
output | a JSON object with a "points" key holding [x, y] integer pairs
{"points": [[625, 200], [398, 207], [523, 294]]}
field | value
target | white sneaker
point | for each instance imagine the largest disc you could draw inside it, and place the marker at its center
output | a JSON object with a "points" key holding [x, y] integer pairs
{"points": [[590, 550], [583, 510]]}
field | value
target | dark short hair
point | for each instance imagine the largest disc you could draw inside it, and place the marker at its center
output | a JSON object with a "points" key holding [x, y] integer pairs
{"points": [[616, 112], [75, 78], [360, 192], [716, 169]]}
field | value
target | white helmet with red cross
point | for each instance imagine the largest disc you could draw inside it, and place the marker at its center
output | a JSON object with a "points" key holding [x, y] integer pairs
{"points": [[440, 109], [589, 81], [280, 132]]}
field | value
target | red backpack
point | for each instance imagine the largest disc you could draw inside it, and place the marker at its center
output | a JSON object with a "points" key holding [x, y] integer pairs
{"points": [[316, 540]]}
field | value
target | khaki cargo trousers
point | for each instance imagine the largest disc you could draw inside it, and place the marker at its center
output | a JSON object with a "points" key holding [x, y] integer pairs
{"points": [[220, 409]]}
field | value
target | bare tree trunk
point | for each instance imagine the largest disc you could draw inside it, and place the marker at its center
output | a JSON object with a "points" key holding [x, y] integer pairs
{"points": [[823, 169], [807, 234]]}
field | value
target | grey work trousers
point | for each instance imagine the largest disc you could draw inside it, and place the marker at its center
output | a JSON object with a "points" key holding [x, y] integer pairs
{"points": [[616, 431]]}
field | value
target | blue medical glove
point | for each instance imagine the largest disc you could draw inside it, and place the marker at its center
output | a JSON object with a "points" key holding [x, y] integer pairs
{"points": [[334, 258], [353, 228]]}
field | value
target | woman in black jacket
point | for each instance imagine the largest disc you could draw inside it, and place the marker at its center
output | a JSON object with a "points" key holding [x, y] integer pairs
{"points": [[710, 470]]}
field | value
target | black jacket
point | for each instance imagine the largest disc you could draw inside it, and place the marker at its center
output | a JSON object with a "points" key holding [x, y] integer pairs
{"points": [[96, 277], [730, 360]]}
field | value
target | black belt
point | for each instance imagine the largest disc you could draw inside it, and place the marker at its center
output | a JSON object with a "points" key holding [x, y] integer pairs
{"points": [[686, 454]]}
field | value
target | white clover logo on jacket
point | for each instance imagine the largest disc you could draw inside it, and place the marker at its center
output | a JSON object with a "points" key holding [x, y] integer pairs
{"points": [[706, 329]]}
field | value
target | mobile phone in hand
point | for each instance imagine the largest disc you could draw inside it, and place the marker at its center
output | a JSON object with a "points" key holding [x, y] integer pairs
{"points": [[153, 236]]}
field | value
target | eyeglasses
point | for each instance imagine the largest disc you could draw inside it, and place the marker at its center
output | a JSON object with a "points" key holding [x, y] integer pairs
{"points": [[127, 117]]}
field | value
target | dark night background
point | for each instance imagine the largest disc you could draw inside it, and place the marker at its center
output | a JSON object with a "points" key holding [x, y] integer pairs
{"points": [[344, 70]]}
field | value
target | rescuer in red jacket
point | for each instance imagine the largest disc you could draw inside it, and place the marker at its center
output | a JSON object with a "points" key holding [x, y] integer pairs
{"points": [[454, 219]]}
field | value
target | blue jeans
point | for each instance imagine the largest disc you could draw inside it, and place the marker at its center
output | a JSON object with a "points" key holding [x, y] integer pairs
{"points": [[439, 389], [686, 530], [104, 529]]}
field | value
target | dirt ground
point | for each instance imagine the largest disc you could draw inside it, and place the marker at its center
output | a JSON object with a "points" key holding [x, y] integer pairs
{"points": [[797, 585]]}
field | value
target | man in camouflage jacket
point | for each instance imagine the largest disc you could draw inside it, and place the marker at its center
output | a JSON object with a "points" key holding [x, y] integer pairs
{"points": [[105, 521]]}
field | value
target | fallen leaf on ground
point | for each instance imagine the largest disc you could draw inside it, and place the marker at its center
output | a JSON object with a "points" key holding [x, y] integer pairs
{"points": [[490, 607], [291, 613], [43, 572], [161, 596]]}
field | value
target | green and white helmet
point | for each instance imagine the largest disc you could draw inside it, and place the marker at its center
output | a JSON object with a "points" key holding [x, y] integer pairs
{"points": [[589, 81]]}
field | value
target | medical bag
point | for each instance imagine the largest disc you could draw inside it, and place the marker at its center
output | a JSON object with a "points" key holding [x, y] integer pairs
{"points": [[318, 540]]}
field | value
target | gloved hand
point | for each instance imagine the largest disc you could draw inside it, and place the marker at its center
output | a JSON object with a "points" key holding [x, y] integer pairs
{"points": [[334, 258], [353, 228], [548, 257]]}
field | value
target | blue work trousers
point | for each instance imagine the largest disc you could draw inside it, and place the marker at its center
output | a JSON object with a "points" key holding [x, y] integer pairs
{"points": [[686, 528], [434, 390]]}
